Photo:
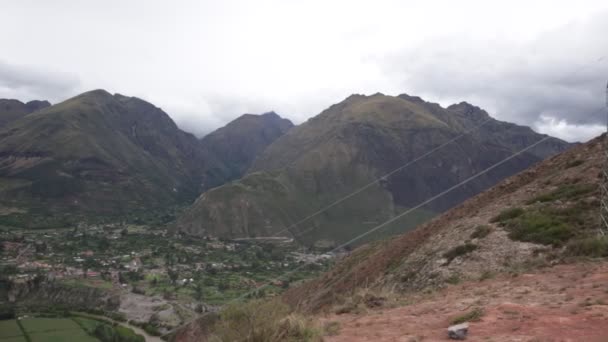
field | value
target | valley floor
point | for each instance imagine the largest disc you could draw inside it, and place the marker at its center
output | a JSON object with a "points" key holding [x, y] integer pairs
{"points": [[559, 303]]}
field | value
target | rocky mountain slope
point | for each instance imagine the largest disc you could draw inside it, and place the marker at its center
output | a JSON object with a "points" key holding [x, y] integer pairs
{"points": [[11, 110], [97, 153], [113, 157], [351, 145], [236, 145], [539, 217]]}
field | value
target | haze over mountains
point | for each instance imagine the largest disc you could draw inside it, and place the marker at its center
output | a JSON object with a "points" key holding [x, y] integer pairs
{"points": [[115, 157]]}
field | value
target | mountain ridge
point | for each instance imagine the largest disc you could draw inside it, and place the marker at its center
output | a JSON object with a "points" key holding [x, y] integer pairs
{"points": [[351, 144], [99, 154], [419, 259]]}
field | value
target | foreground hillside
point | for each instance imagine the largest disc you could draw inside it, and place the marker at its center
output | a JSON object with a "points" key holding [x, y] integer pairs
{"points": [[560, 303], [538, 217], [522, 261], [349, 146]]}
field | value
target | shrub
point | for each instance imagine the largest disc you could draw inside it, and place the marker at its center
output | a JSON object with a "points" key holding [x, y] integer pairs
{"points": [[453, 279], [541, 227], [107, 333], [331, 328], [487, 274], [574, 163], [507, 214], [471, 316], [481, 232], [262, 320], [459, 251], [596, 247], [564, 192]]}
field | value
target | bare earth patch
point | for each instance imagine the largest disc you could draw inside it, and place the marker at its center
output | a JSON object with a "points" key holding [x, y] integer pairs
{"points": [[561, 303]]}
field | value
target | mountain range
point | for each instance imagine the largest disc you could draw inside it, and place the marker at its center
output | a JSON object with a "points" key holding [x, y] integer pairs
{"points": [[112, 157], [101, 156], [376, 146]]}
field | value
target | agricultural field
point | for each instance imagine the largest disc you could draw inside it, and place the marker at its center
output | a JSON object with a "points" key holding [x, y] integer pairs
{"points": [[10, 331], [43, 330]]}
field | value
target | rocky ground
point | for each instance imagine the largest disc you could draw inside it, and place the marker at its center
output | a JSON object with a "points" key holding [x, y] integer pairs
{"points": [[560, 303]]}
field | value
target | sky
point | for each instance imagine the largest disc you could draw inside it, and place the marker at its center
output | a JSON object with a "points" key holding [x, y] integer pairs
{"points": [[538, 63]]}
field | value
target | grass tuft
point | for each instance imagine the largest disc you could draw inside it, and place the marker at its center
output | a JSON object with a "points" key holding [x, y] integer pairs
{"points": [[595, 247], [565, 192], [507, 214], [471, 316], [459, 251], [541, 227], [481, 232], [263, 320]]}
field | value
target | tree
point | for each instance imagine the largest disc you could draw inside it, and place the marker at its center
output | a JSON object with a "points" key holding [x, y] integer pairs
{"points": [[173, 275], [198, 292], [87, 265]]}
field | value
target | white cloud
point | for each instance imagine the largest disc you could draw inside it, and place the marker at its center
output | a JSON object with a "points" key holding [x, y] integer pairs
{"points": [[29, 83], [206, 62], [562, 129]]}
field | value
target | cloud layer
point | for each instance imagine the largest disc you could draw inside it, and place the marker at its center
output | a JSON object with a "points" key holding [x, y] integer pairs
{"points": [[541, 63], [27, 83]]}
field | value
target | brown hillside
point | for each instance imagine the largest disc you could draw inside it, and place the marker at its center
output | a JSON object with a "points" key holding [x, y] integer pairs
{"points": [[560, 188]]}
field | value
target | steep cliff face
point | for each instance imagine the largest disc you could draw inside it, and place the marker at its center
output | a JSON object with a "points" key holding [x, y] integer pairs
{"points": [[349, 146]]}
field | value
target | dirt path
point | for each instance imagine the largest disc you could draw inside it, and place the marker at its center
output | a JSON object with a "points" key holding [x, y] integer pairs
{"points": [[561, 303]]}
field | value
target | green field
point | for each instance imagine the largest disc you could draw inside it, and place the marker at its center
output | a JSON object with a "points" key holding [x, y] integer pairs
{"points": [[62, 335], [9, 329], [36, 325], [43, 330], [14, 339]]}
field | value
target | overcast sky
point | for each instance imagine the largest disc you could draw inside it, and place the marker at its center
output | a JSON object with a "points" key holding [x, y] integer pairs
{"points": [[538, 63]]}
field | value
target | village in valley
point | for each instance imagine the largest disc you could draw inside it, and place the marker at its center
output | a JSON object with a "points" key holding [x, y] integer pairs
{"points": [[161, 278]]}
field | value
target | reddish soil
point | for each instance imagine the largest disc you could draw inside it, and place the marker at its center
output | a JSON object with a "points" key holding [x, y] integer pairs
{"points": [[560, 303]]}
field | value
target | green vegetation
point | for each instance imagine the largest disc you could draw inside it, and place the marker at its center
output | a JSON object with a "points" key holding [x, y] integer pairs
{"points": [[263, 321], [343, 149], [556, 225], [454, 279], [471, 316], [52, 330], [574, 163], [481, 232], [9, 328], [596, 247], [331, 328], [507, 214], [59, 329], [459, 251], [36, 325], [108, 333], [544, 227], [568, 192]]}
